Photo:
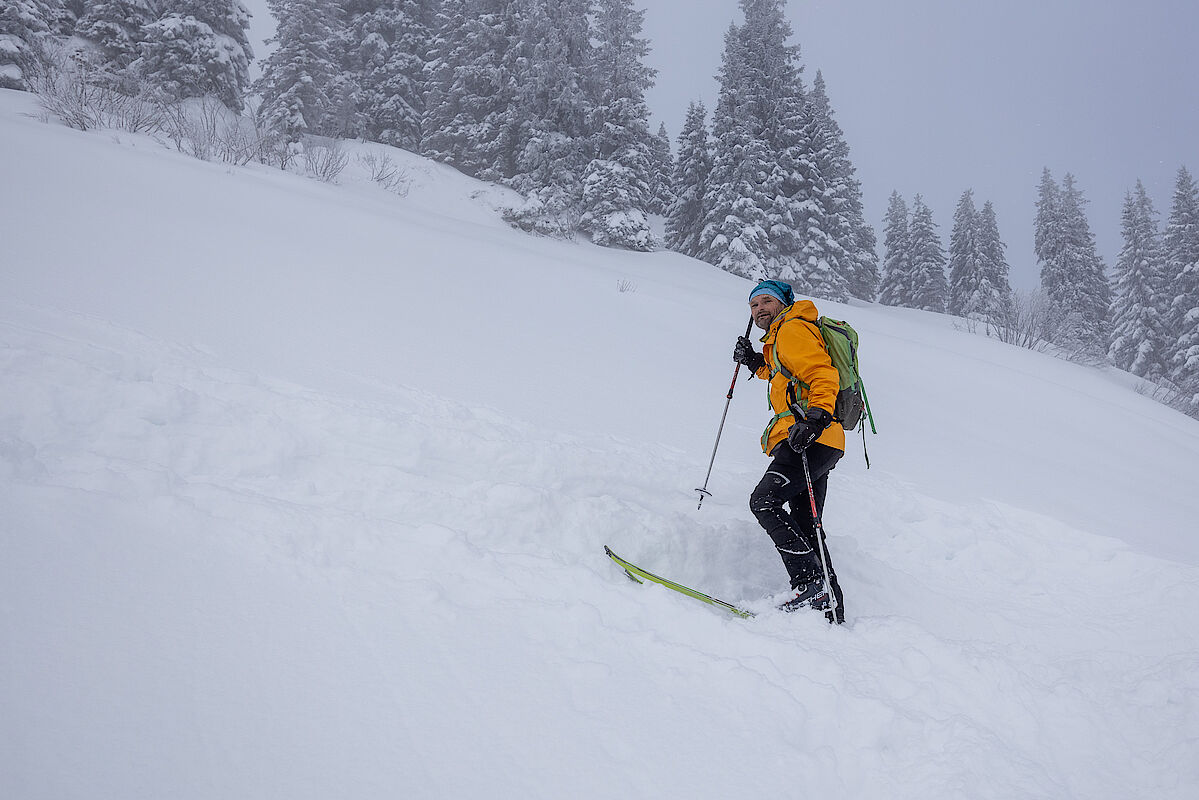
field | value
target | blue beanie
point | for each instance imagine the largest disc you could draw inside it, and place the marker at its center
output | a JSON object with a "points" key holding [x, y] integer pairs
{"points": [[777, 289]]}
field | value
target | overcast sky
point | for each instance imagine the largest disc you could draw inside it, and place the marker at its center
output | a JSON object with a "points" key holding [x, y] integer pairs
{"points": [[938, 96]]}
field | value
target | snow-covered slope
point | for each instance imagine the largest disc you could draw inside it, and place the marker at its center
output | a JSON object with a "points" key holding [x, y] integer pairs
{"points": [[304, 488]]}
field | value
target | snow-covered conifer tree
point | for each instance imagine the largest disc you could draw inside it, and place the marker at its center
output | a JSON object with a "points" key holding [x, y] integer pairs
{"points": [[1072, 273], [386, 44], [965, 258], [755, 214], [684, 218], [198, 48], [864, 280], [994, 297], [803, 242], [842, 216], [617, 184], [115, 27], [1181, 242], [553, 106], [1047, 234], [1137, 327], [782, 200], [22, 24], [895, 287], [663, 167], [1088, 304], [734, 233], [814, 200], [470, 114], [927, 260], [296, 77]]}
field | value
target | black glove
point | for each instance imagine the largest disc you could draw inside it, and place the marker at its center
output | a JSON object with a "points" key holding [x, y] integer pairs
{"points": [[744, 353], [807, 429]]}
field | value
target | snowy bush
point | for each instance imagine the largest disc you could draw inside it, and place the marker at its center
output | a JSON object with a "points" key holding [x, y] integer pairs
{"points": [[206, 129], [1170, 394], [386, 172], [324, 159], [85, 95], [1025, 321]]}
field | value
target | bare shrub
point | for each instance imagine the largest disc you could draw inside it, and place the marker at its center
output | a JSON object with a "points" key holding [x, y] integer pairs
{"points": [[969, 325], [1029, 320], [273, 147], [324, 159], [84, 95], [1170, 394], [206, 129], [386, 172], [625, 286], [1026, 321]]}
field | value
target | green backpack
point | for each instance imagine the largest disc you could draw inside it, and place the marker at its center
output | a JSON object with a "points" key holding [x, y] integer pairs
{"points": [[841, 342]]}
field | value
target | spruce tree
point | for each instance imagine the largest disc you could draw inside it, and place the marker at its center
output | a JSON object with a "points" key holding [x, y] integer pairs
{"points": [[926, 261], [995, 293], [1181, 243], [864, 280], [1137, 328], [754, 214], [115, 27], [617, 184], [23, 23], [552, 112], [781, 200], [895, 286], [806, 244], [199, 48], [1047, 236], [684, 218], [470, 115], [384, 69], [965, 258], [662, 164], [1072, 273], [978, 269], [842, 211], [297, 77], [815, 203], [734, 233], [1088, 304]]}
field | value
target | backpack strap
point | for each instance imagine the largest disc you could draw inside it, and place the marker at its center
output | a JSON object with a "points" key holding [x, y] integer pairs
{"points": [[777, 366]]}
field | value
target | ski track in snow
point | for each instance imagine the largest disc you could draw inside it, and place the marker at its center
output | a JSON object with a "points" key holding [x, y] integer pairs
{"points": [[218, 581]]}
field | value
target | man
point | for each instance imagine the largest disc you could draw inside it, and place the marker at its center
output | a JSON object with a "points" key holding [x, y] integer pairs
{"points": [[803, 394]]}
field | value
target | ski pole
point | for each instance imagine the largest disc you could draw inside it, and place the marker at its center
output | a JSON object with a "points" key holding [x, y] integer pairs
{"points": [[828, 585], [728, 401]]}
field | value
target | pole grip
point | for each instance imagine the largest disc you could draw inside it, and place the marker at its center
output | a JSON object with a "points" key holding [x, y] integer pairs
{"points": [[736, 371]]}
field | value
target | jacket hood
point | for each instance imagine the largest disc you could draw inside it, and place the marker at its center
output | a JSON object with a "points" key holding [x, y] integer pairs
{"points": [[800, 309]]}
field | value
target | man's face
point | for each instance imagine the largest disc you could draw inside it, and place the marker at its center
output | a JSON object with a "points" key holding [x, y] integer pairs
{"points": [[764, 308]]}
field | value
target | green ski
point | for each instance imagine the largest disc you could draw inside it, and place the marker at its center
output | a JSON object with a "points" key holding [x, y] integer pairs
{"points": [[636, 573]]}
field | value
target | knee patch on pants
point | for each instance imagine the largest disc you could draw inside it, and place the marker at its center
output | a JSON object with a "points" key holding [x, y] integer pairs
{"points": [[767, 496]]}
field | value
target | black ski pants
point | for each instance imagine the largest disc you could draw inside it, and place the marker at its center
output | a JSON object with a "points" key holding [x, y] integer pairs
{"points": [[794, 531]]}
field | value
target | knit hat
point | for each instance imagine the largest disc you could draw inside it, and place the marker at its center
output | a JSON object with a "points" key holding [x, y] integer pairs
{"points": [[777, 289]]}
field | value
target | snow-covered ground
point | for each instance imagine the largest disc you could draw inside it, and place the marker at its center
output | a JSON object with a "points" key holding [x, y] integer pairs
{"points": [[304, 490]]}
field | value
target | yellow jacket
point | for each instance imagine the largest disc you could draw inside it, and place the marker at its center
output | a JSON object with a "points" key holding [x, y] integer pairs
{"points": [[801, 350]]}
